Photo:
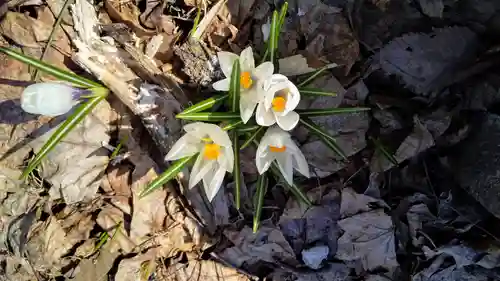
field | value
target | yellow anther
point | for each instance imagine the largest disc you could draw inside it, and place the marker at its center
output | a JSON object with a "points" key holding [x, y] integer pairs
{"points": [[212, 151], [279, 104], [246, 80], [277, 148]]}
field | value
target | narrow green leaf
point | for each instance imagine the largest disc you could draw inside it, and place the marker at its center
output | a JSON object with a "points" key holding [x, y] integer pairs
{"points": [[52, 70], [330, 111], [323, 135], [273, 44], [316, 92], [248, 128], [236, 172], [196, 22], [314, 75], [261, 190], [282, 15], [80, 113], [166, 176], [210, 116], [203, 105], [234, 87], [51, 36], [252, 137], [385, 151], [294, 188], [231, 125]]}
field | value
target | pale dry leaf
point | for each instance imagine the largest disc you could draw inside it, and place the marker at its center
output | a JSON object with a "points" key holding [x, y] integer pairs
{"points": [[268, 244], [76, 165], [109, 219], [353, 203], [206, 270], [132, 269], [24, 30], [117, 183], [96, 270], [15, 268]]}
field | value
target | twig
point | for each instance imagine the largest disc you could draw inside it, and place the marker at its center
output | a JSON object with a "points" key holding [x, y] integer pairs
{"points": [[34, 77]]}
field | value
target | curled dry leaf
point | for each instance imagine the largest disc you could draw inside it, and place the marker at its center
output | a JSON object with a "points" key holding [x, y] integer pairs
{"points": [[137, 268], [268, 244], [128, 13], [206, 270], [331, 272], [109, 219], [368, 236], [117, 184]]}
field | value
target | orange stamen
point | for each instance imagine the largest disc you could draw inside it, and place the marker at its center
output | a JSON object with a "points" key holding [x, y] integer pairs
{"points": [[246, 80], [212, 151], [279, 104], [279, 149]]}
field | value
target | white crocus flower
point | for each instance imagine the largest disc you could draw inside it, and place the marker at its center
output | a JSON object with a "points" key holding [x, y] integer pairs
{"points": [[215, 155], [281, 98], [251, 79], [278, 145], [51, 99]]}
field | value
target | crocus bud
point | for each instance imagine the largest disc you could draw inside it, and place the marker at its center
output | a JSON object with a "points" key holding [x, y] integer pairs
{"points": [[51, 99]]}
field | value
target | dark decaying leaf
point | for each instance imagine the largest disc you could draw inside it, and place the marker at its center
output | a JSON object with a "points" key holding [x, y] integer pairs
{"points": [[427, 62]]}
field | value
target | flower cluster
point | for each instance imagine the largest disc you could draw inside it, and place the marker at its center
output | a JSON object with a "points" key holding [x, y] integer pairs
{"points": [[273, 98]]}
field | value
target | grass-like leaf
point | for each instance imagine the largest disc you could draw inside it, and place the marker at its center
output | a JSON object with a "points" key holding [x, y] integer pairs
{"points": [[316, 92], [196, 22], [314, 75], [51, 35], [232, 125], [203, 105], [236, 171], [273, 37], [210, 116], [330, 111], [52, 70], [281, 17], [390, 156], [252, 137], [166, 176], [261, 190], [294, 188], [234, 87], [323, 135], [80, 113], [248, 128]]}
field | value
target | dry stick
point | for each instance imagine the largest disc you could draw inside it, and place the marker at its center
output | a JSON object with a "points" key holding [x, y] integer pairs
{"points": [[34, 77]]}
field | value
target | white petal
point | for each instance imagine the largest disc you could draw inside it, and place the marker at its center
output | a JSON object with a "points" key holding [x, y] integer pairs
{"points": [[226, 60], [247, 61], [51, 99], [226, 161], [300, 163], [202, 130], [222, 85], [293, 98], [247, 106], [264, 117], [285, 166], [187, 145], [264, 70], [275, 136], [200, 169], [213, 186], [271, 91], [288, 121]]}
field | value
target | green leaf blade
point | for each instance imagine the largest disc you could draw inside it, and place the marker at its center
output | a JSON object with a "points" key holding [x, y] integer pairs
{"points": [[204, 105], [52, 70], [314, 92], [294, 188], [323, 135], [273, 37], [234, 87], [261, 189], [330, 111], [252, 137], [210, 116], [237, 168], [166, 176], [80, 113], [232, 125]]}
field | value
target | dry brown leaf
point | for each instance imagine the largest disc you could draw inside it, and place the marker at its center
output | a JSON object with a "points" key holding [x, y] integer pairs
{"points": [[128, 13], [132, 269], [24, 30], [109, 219], [117, 183], [205, 270]]}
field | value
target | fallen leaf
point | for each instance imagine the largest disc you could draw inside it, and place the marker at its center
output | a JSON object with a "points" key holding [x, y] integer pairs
{"points": [[206, 270], [117, 183], [368, 236], [426, 63], [109, 219], [24, 30], [127, 13], [331, 272], [418, 141], [76, 165], [268, 244], [432, 8], [96, 270], [132, 269]]}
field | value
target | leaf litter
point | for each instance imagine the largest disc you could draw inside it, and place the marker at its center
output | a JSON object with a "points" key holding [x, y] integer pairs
{"points": [[80, 217]]}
